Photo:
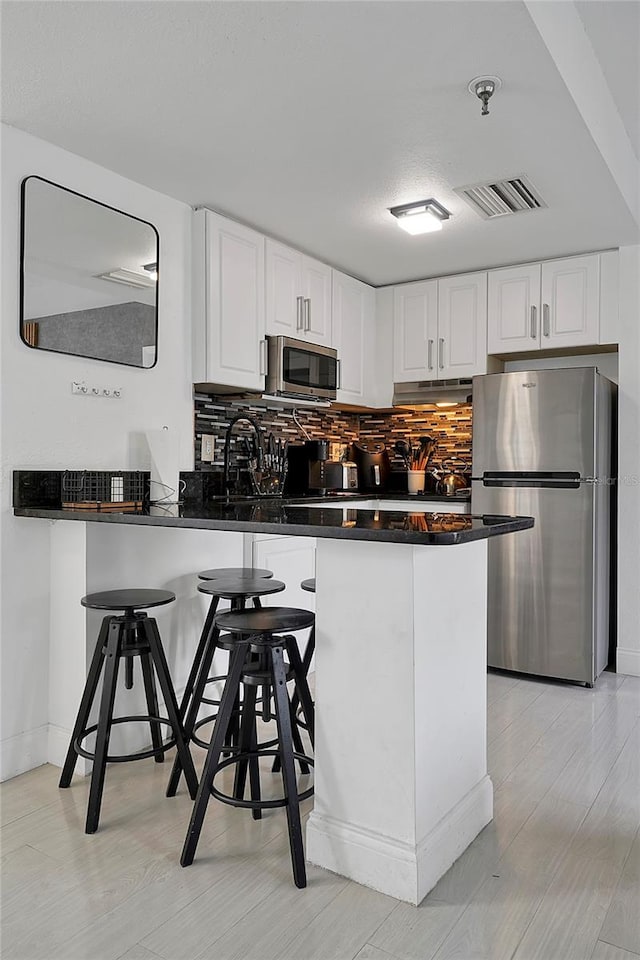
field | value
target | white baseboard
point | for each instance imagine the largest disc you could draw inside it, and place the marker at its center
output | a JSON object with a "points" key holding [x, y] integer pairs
{"points": [[401, 870], [23, 752], [58, 744], [628, 661]]}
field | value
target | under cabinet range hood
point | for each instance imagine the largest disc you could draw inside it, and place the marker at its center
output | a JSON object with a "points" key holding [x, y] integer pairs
{"points": [[427, 394]]}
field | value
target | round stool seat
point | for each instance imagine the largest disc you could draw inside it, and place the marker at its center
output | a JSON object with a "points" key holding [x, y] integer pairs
{"points": [[265, 620], [309, 585], [127, 599], [230, 589], [235, 573]]}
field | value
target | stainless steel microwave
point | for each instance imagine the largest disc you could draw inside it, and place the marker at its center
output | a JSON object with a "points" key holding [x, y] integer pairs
{"points": [[300, 369]]}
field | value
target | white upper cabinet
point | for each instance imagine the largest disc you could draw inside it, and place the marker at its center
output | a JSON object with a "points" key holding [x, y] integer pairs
{"points": [[440, 328], [229, 303], [316, 290], [298, 295], [284, 299], [462, 326], [354, 334], [514, 309], [570, 302], [415, 331], [544, 306]]}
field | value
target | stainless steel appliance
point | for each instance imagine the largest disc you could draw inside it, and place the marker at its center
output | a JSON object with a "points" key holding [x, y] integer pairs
{"points": [[341, 475], [542, 447], [425, 394], [300, 369]]}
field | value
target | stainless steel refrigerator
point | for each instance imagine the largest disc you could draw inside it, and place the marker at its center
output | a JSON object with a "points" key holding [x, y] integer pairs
{"points": [[543, 447]]}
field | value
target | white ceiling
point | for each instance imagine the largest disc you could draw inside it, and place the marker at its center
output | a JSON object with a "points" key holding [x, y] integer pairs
{"points": [[309, 119]]}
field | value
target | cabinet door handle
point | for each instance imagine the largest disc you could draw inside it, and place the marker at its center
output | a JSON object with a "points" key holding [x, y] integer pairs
{"points": [[299, 312], [545, 319], [338, 374], [430, 354], [307, 314], [441, 353], [263, 358], [534, 323]]}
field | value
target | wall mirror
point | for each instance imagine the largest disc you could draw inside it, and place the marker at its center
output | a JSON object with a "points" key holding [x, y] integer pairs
{"points": [[89, 277]]}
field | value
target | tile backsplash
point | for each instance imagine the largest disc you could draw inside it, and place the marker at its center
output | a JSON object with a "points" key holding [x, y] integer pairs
{"points": [[451, 427]]}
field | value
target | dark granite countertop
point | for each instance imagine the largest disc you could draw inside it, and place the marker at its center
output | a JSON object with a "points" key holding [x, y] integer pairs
{"points": [[335, 518]]}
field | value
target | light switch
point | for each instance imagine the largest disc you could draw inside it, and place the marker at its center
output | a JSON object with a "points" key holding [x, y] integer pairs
{"points": [[207, 449]]}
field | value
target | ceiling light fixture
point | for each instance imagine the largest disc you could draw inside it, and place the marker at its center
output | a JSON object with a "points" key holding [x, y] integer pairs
{"points": [[424, 216], [484, 88]]}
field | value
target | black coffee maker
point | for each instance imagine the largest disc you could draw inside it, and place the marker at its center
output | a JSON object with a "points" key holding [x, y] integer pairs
{"points": [[306, 469]]}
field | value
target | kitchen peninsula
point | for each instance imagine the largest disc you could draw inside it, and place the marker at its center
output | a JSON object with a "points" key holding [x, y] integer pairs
{"points": [[401, 784]]}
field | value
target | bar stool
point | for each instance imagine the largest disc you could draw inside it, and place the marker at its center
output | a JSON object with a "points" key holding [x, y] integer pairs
{"points": [[255, 631], [310, 586], [216, 573], [238, 591], [133, 634]]}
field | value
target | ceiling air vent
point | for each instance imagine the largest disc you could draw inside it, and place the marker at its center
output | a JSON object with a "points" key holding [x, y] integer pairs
{"points": [[502, 198]]}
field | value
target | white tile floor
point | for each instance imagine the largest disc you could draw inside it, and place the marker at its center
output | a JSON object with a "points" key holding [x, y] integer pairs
{"points": [[555, 876]]}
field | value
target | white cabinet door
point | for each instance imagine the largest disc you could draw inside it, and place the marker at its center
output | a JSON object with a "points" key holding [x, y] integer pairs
{"points": [[570, 302], [298, 295], [462, 325], [316, 290], [353, 322], [284, 300], [234, 303], [415, 331], [292, 560], [513, 315]]}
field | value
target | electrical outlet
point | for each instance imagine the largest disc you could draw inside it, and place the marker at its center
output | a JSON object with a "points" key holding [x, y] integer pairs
{"points": [[208, 447]]}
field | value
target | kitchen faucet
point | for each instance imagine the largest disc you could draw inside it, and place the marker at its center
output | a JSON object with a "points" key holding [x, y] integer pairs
{"points": [[227, 444]]}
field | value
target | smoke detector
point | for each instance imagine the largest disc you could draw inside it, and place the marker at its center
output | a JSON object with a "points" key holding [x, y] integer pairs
{"points": [[484, 88]]}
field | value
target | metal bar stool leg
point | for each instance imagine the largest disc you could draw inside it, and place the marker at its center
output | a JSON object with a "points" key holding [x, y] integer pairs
{"points": [[301, 685], [283, 721], [306, 663], [301, 669], [244, 742], [202, 646], [171, 705], [152, 705], [103, 732], [254, 767], [194, 707], [84, 709], [213, 753]]}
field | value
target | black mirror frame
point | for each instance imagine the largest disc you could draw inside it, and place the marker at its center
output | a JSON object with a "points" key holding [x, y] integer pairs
{"points": [[21, 320]]}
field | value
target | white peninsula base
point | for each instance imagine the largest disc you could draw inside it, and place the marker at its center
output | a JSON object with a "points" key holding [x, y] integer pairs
{"points": [[401, 784]]}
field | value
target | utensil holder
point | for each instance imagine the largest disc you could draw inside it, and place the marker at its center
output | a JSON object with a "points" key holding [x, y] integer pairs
{"points": [[415, 481]]}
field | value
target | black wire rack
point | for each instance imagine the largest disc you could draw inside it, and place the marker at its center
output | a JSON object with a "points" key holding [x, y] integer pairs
{"points": [[104, 486]]}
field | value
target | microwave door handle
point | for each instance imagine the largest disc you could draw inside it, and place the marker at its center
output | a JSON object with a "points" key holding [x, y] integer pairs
{"points": [[338, 374]]}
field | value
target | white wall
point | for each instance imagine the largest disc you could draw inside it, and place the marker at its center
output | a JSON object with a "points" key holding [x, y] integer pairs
{"points": [[628, 660], [43, 426]]}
